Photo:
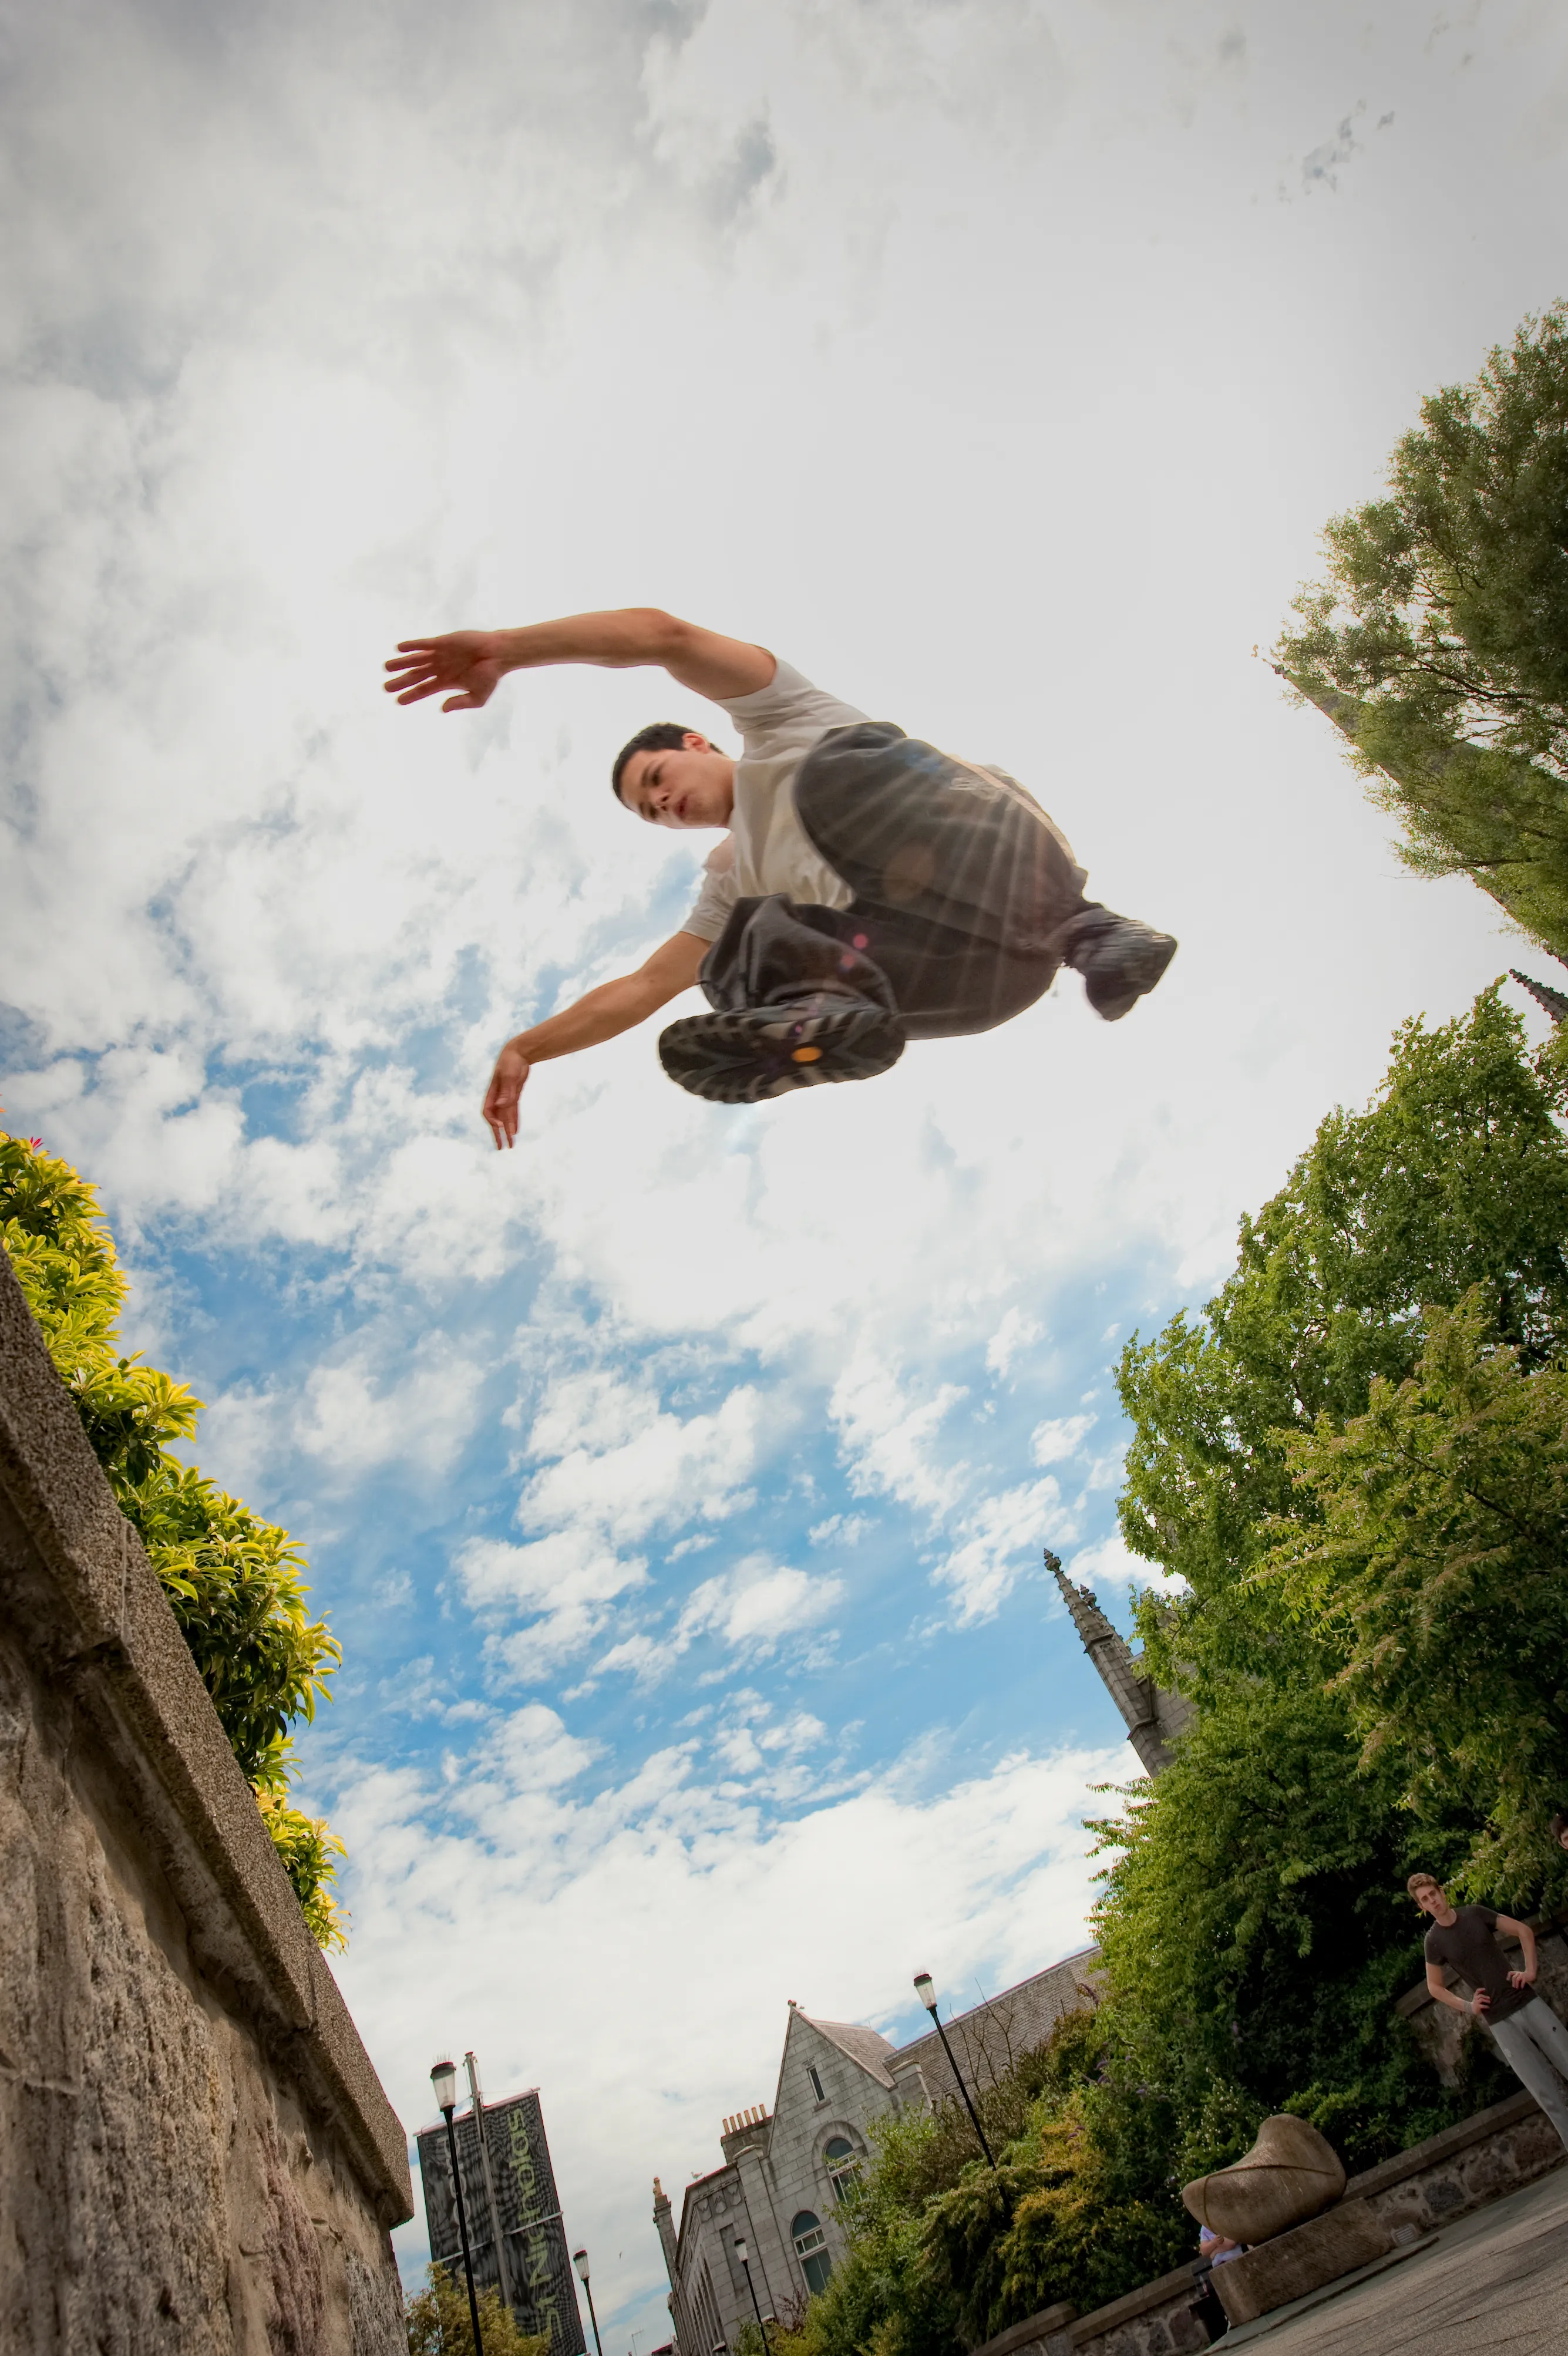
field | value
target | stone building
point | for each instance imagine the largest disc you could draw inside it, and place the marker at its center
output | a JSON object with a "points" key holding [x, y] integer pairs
{"points": [[1154, 1717], [788, 2171]]}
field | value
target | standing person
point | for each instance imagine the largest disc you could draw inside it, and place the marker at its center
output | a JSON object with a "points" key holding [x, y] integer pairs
{"points": [[1524, 2028], [870, 889]]}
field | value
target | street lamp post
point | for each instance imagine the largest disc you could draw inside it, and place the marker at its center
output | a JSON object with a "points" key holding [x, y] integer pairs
{"points": [[496, 2236], [740, 2252], [444, 2079], [580, 2260], [926, 1991]]}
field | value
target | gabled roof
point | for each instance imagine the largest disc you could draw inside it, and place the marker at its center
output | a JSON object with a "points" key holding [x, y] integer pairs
{"points": [[864, 2046], [697, 2184]]}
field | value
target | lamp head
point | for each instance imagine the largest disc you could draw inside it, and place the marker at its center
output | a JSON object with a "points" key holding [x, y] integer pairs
{"points": [[580, 2260], [925, 1988], [443, 2085], [740, 2247]]}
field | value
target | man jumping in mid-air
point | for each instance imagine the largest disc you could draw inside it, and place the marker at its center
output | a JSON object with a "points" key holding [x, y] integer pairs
{"points": [[869, 889]]}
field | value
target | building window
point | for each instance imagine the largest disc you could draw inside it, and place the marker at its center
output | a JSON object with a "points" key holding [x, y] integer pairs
{"points": [[843, 2168], [811, 2249], [816, 2083]]}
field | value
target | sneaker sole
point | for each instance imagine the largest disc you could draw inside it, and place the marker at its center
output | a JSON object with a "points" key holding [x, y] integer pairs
{"points": [[746, 1057], [1148, 971]]}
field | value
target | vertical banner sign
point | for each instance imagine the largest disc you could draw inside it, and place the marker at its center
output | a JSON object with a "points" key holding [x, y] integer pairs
{"points": [[544, 2296]]}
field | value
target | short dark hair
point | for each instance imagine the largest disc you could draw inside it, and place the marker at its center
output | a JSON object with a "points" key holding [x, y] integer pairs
{"points": [[1423, 1882], [658, 736], [1558, 1825]]}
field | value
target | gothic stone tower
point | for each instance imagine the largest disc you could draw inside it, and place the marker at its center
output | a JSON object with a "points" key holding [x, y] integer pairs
{"points": [[1154, 1718]]}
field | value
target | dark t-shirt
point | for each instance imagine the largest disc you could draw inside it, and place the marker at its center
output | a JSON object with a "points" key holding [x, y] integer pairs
{"points": [[1469, 1945]]}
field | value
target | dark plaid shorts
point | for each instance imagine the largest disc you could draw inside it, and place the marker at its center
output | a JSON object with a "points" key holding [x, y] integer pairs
{"points": [[966, 899]]}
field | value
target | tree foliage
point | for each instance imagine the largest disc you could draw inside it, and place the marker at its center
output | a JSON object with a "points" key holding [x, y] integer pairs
{"points": [[1356, 1460], [1439, 640], [1437, 1561], [439, 2323], [233, 1580], [1249, 1430]]}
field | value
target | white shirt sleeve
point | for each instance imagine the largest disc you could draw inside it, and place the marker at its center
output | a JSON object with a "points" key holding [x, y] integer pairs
{"points": [[711, 911], [788, 715]]}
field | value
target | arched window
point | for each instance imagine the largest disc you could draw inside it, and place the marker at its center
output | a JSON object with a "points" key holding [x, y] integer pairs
{"points": [[843, 2166], [811, 2249]]}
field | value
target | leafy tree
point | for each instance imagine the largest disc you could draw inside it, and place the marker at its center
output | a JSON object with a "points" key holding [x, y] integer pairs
{"points": [[1355, 1460], [232, 1579], [1455, 1179], [1438, 1561], [1439, 641], [439, 2323], [1256, 1932]]}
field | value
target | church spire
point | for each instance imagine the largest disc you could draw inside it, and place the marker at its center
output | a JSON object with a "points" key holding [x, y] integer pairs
{"points": [[1553, 1001], [1153, 1718]]}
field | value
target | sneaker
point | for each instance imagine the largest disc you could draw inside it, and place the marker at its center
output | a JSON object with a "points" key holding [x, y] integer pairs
{"points": [[1120, 964], [766, 1051]]}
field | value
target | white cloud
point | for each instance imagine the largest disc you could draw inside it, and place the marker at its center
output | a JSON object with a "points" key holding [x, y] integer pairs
{"points": [[999, 1542], [751, 1611], [356, 1420], [1112, 1565], [624, 1466], [533, 1887], [369, 1405], [886, 1439], [1051, 1442], [1016, 1333], [838, 1529]]}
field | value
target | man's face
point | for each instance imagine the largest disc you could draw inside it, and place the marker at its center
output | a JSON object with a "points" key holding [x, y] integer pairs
{"points": [[686, 785], [1431, 1897]]}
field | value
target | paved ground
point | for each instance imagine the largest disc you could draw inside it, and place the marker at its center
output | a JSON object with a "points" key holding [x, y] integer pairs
{"points": [[1497, 2282]]}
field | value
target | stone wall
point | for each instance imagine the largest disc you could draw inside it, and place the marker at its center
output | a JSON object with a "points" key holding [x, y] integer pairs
{"points": [[195, 2154], [1495, 2152]]}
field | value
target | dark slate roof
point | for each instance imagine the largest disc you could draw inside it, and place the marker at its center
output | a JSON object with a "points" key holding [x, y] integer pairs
{"points": [[861, 2045]]}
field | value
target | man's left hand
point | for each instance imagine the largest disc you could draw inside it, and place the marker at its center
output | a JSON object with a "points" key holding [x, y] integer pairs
{"points": [[1522, 1979], [506, 1084]]}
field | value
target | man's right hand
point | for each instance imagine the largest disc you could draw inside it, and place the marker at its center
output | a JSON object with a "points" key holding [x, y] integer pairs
{"points": [[470, 662], [501, 1098], [1480, 2002]]}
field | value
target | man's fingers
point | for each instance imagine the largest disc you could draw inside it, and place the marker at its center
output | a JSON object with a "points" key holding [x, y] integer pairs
{"points": [[507, 1083], [461, 702]]}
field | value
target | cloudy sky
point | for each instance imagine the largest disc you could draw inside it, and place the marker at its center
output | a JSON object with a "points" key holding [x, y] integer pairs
{"points": [[677, 1484]]}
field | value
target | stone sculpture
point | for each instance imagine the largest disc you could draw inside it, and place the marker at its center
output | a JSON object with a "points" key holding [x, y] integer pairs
{"points": [[1290, 2174]]}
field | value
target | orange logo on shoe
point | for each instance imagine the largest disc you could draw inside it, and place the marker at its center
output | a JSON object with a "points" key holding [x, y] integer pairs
{"points": [[807, 1055]]}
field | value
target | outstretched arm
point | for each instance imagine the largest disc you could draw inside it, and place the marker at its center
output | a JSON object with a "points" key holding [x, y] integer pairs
{"points": [[467, 666], [603, 1013]]}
